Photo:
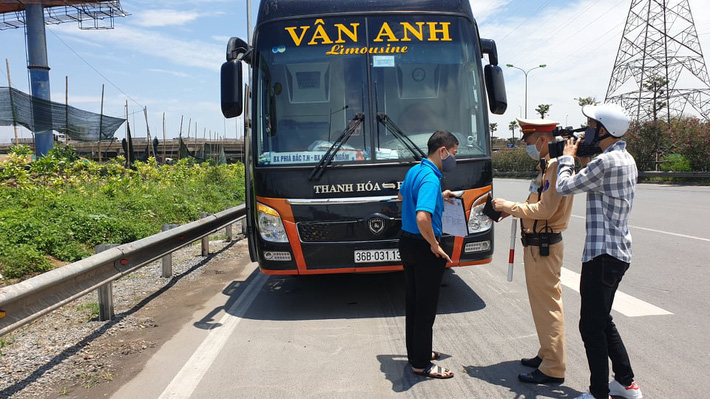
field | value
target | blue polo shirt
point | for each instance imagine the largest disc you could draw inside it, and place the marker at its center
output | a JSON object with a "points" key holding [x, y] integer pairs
{"points": [[421, 191]]}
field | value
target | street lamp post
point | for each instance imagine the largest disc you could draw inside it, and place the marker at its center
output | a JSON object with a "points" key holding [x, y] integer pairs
{"points": [[526, 82]]}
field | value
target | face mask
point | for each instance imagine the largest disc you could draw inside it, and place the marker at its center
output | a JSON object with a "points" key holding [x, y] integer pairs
{"points": [[449, 163], [590, 136], [532, 151]]}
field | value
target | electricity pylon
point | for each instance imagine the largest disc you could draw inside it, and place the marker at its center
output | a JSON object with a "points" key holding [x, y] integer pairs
{"points": [[659, 70]]}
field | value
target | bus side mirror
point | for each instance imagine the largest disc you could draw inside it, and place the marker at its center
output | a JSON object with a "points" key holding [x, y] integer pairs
{"points": [[231, 88], [495, 85]]}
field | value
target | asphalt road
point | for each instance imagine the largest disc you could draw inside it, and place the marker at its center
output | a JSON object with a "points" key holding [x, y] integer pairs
{"points": [[343, 336]]}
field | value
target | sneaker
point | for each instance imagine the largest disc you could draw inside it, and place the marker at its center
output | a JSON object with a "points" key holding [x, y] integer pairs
{"points": [[631, 392], [587, 395]]}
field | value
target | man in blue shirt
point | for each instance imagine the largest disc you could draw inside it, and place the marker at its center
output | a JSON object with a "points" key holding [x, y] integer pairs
{"points": [[610, 183], [423, 258]]}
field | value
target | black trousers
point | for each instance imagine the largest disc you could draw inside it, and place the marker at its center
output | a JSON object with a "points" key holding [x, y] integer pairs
{"points": [[600, 279], [423, 272]]}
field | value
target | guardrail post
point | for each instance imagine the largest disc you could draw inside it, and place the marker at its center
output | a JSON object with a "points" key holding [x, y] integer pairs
{"points": [[167, 270], [105, 292], [205, 239], [229, 233]]}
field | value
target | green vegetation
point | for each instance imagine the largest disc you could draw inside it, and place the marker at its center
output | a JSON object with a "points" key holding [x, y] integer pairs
{"points": [[513, 160], [61, 206], [91, 309]]}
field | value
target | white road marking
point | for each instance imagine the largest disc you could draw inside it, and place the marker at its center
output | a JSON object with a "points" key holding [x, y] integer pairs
{"points": [[660, 231], [187, 379], [623, 303]]}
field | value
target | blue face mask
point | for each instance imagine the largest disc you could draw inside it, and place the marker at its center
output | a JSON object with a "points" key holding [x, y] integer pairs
{"points": [[448, 164], [533, 152]]}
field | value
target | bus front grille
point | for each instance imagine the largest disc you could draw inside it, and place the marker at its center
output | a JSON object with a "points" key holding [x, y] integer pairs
{"points": [[362, 230]]}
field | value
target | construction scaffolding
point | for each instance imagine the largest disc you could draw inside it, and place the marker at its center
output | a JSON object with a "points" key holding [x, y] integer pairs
{"points": [[21, 109], [87, 14]]}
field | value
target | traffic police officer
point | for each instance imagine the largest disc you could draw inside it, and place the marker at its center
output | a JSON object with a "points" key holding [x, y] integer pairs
{"points": [[544, 216]]}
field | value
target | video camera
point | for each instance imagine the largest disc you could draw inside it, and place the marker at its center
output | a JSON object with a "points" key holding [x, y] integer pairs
{"points": [[587, 147]]}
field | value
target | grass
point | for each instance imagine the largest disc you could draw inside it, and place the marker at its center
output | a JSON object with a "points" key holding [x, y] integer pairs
{"points": [[91, 309], [58, 208]]}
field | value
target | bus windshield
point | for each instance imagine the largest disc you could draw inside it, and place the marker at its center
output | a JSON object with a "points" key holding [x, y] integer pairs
{"points": [[315, 76]]}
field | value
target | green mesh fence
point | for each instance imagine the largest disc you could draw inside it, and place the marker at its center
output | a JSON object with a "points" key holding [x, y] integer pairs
{"points": [[21, 109]]}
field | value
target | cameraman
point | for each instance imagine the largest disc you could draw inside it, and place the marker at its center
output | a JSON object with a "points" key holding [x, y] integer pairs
{"points": [[543, 217], [610, 182]]}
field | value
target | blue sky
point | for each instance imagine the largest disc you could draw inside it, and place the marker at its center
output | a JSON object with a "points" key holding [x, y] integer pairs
{"points": [[166, 56]]}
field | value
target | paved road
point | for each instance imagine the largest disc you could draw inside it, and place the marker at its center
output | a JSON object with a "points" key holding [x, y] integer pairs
{"points": [[343, 336]]}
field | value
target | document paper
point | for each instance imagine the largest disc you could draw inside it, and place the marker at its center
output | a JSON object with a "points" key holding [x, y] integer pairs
{"points": [[453, 219]]}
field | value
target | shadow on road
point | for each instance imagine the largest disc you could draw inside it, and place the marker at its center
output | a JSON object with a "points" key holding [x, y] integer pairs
{"points": [[397, 371], [342, 296], [506, 373]]}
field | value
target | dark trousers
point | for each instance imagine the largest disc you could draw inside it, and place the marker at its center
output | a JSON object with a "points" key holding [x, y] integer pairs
{"points": [[599, 281], [423, 272]]}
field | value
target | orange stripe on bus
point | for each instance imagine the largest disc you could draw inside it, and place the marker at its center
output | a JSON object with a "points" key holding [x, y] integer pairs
{"points": [[284, 209]]}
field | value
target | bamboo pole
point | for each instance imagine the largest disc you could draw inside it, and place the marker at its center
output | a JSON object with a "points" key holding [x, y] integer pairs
{"points": [[12, 105], [147, 130], [164, 143], [66, 111], [101, 120], [129, 148], [179, 136]]}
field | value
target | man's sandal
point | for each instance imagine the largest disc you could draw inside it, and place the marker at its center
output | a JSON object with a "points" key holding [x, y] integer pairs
{"points": [[435, 355], [434, 371]]}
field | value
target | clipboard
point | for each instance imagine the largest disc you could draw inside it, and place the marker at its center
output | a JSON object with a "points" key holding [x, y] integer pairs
{"points": [[453, 219], [489, 211]]}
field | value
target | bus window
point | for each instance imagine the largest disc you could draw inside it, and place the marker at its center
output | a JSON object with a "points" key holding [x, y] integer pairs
{"points": [[433, 86]]}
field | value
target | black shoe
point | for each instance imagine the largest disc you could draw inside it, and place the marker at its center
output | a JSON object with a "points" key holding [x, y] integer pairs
{"points": [[538, 377], [533, 362]]}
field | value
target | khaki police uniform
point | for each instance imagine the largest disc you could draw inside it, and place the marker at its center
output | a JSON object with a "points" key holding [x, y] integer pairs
{"points": [[542, 273]]}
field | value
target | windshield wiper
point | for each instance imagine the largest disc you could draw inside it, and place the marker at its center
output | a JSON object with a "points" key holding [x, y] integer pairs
{"points": [[335, 147], [403, 138]]}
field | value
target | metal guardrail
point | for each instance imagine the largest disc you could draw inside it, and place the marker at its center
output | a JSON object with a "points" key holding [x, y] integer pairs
{"points": [[646, 174], [27, 300], [696, 175]]}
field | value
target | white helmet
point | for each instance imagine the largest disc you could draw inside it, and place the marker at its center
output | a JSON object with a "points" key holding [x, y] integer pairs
{"points": [[611, 116]]}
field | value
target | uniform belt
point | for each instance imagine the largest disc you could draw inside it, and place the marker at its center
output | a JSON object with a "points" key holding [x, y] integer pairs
{"points": [[534, 239], [407, 234]]}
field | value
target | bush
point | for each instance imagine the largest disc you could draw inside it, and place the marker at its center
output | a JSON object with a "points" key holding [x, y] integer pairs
{"points": [[23, 260], [687, 136], [513, 160], [675, 163], [691, 139]]}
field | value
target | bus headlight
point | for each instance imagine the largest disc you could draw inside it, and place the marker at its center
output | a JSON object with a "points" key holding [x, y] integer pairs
{"points": [[271, 227], [477, 221]]}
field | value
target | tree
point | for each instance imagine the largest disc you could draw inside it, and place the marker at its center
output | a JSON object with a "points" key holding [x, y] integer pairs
{"points": [[493, 128], [543, 109], [512, 126], [658, 87], [582, 101]]}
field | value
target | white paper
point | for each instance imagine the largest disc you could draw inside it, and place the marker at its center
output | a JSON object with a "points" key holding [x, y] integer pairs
{"points": [[453, 219]]}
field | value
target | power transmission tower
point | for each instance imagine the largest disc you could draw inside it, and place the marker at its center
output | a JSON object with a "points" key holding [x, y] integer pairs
{"points": [[659, 70]]}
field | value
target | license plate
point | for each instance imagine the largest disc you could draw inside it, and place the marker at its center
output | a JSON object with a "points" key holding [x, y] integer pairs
{"points": [[377, 255]]}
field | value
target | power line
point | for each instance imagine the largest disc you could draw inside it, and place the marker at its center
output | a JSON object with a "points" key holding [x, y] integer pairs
{"points": [[96, 70]]}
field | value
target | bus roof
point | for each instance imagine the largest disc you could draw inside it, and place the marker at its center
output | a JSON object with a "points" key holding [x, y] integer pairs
{"points": [[271, 10]]}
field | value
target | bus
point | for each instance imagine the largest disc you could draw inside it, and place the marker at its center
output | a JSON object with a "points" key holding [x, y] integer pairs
{"points": [[341, 101]]}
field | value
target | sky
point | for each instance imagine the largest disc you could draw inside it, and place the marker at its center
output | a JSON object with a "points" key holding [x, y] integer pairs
{"points": [[166, 55]]}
